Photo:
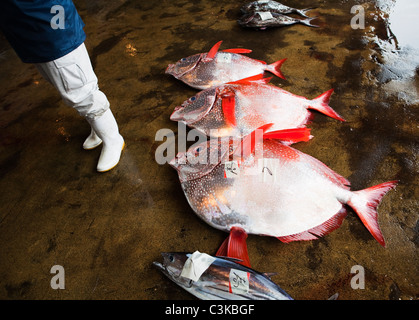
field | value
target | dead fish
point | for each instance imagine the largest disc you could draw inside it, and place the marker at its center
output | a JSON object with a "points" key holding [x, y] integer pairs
{"points": [[211, 69], [272, 6], [263, 20], [216, 278], [277, 191], [238, 108]]}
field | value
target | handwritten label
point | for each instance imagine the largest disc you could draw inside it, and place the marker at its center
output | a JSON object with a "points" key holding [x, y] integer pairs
{"points": [[268, 169], [238, 281], [231, 169], [265, 15], [196, 265]]}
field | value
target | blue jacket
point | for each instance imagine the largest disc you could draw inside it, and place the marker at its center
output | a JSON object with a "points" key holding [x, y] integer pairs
{"points": [[36, 34]]}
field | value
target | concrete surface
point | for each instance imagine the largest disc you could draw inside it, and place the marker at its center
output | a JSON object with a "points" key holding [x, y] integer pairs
{"points": [[107, 229]]}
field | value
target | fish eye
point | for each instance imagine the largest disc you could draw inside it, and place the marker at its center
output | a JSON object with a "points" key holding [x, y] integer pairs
{"points": [[183, 59], [193, 98], [171, 258]]}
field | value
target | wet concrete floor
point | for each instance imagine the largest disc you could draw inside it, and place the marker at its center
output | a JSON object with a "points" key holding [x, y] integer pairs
{"points": [[107, 229]]}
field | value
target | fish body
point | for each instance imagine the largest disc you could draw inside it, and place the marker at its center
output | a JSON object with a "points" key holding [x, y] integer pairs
{"points": [[214, 68], [263, 20], [277, 191], [224, 279], [272, 6], [237, 109]]}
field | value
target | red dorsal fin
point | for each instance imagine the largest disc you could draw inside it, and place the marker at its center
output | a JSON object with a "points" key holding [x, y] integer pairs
{"points": [[237, 50], [211, 54], [292, 135], [253, 79], [228, 104], [235, 246]]}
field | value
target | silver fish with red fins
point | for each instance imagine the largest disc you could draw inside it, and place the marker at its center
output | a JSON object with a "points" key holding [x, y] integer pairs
{"points": [[211, 69], [272, 6], [221, 278], [238, 108], [271, 190]]}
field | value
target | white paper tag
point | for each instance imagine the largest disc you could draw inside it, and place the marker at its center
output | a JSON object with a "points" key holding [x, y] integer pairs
{"points": [[239, 281], [196, 265], [265, 15], [268, 169], [231, 169]]}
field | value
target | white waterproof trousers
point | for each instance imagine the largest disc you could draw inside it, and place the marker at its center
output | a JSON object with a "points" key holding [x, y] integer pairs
{"points": [[73, 76]]}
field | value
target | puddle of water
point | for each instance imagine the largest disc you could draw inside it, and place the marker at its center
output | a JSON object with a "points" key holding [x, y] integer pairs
{"points": [[400, 71]]}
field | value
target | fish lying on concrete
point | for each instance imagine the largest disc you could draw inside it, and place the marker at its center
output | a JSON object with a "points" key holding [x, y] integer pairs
{"points": [[217, 278], [238, 108], [271, 189], [263, 20], [211, 69], [272, 6]]}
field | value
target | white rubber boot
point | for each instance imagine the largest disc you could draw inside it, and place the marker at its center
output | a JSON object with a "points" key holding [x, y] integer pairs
{"points": [[107, 130], [92, 141]]}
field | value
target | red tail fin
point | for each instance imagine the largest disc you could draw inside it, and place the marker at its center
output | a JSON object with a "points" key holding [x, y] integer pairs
{"points": [[365, 203], [321, 104], [275, 68], [235, 246]]}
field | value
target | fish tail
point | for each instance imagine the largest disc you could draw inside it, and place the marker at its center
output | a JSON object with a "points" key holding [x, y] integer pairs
{"points": [[275, 68], [235, 246], [307, 22], [365, 203], [321, 104], [302, 12]]}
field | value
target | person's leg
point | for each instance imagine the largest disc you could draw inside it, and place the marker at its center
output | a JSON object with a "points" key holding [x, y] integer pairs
{"points": [[75, 80]]}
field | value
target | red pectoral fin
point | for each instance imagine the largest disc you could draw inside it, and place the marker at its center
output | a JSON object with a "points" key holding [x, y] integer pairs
{"points": [[235, 246], [228, 104], [248, 143], [292, 135], [238, 50], [211, 54], [253, 79]]}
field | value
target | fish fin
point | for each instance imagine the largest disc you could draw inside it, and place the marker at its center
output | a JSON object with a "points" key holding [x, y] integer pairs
{"points": [[237, 50], [275, 68], [321, 230], [261, 61], [237, 247], [323, 169], [302, 12], [228, 104], [211, 54], [307, 22], [248, 143], [291, 135], [253, 79], [334, 297], [365, 203], [269, 274], [321, 104]]}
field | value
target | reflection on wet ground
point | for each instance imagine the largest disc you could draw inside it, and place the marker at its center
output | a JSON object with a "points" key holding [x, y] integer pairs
{"points": [[107, 229]]}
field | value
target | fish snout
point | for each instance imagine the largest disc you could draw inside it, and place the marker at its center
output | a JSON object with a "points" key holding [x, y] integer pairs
{"points": [[170, 68], [178, 160], [175, 116]]}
